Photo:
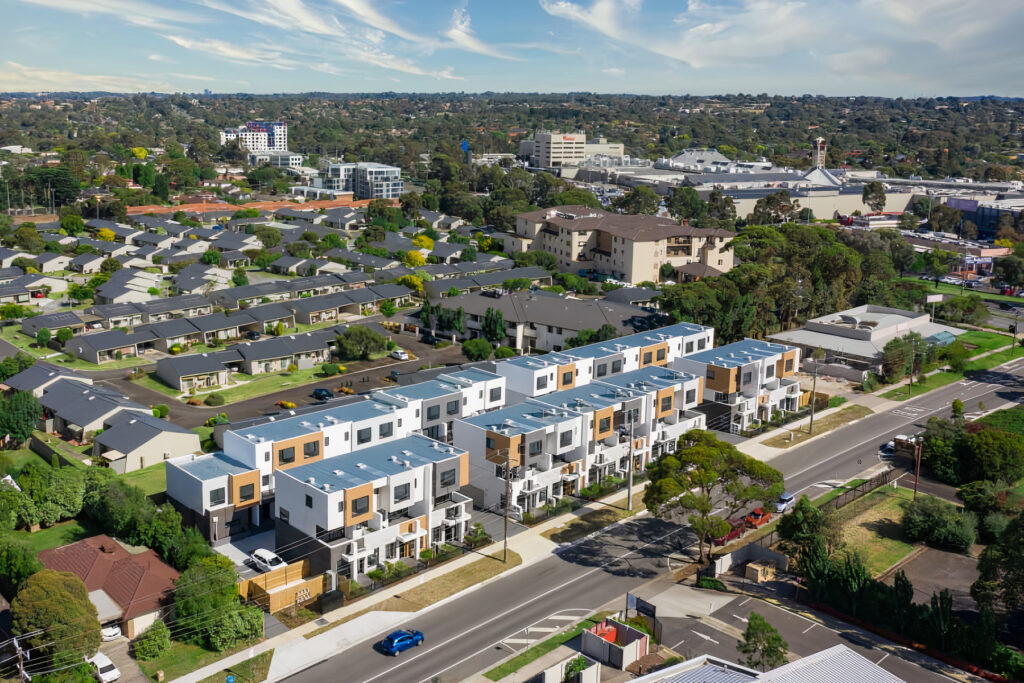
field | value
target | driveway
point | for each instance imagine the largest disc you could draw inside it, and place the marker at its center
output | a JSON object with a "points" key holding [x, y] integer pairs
{"points": [[117, 650], [933, 570], [238, 550]]}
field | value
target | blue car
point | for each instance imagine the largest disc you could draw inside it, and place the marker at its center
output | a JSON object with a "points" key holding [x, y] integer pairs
{"points": [[400, 641], [323, 394]]}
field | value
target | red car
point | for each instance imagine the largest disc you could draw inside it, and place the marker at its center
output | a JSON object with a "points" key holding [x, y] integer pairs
{"points": [[735, 532], [757, 518]]}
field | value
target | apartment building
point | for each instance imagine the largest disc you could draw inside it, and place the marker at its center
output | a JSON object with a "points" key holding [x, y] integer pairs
{"points": [[258, 136], [553, 150], [561, 442], [628, 248], [354, 512], [366, 180], [746, 382]]}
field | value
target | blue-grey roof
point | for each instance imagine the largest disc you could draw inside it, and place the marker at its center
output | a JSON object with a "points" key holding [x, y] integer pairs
{"points": [[548, 360], [307, 423], [520, 419], [739, 353], [344, 471], [423, 391], [212, 466], [473, 375], [660, 378], [589, 397]]}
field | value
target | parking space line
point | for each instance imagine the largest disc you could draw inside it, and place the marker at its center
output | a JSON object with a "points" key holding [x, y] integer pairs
{"points": [[882, 659], [745, 602], [701, 635], [678, 644], [808, 628]]}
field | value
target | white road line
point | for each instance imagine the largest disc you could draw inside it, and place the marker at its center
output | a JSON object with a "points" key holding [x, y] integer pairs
{"points": [[701, 635], [808, 628], [516, 608], [882, 659], [740, 618], [562, 617], [678, 644], [745, 601], [543, 629], [519, 641]]}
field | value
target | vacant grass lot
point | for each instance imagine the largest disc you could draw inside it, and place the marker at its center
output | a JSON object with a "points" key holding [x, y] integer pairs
{"points": [[788, 439], [516, 663], [250, 671], [985, 341], [872, 529]]}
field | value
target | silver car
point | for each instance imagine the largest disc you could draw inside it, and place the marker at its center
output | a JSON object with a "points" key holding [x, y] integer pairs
{"points": [[784, 502]]}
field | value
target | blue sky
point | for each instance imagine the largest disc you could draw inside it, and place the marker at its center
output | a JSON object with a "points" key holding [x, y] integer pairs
{"points": [[831, 47]]}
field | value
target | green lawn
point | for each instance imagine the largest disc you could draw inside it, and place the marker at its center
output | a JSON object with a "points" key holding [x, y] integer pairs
{"points": [[24, 343], [954, 290], [261, 385], [57, 535], [152, 479], [939, 379], [183, 658], [516, 663], [151, 381], [838, 491], [1010, 419], [250, 671], [872, 528], [13, 462], [992, 360], [985, 341]]}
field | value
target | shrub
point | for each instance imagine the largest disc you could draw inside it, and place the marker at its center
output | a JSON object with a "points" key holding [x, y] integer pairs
{"points": [[870, 383], [377, 575], [153, 642], [329, 369], [161, 410], [426, 555], [476, 349], [215, 399], [175, 350], [118, 355], [710, 583], [234, 627], [504, 352], [993, 525], [292, 367], [194, 402], [938, 523]]}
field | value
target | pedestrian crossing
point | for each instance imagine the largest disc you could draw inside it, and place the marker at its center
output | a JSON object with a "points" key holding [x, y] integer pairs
{"points": [[543, 629], [908, 411]]}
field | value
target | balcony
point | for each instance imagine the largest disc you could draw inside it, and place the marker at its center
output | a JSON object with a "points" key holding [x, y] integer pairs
{"points": [[454, 500]]}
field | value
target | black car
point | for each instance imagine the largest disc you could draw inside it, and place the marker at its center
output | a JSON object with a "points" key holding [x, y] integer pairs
{"points": [[323, 394], [252, 335]]}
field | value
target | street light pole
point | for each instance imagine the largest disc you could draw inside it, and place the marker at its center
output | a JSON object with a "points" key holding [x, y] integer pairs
{"points": [[508, 498], [629, 481]]}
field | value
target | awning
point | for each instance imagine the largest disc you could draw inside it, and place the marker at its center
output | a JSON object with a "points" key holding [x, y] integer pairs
{"points": [[570, 477]]}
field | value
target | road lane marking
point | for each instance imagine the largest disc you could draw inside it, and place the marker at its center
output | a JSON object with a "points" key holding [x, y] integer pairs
{"points": [[745, 601], [519, 641], [740, 618], [543, 629], [678, 644], [562, 617], [808, 628], [882, 659], [701, 635], [517, 608]]}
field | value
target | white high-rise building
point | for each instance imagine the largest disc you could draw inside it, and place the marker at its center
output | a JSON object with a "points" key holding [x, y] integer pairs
{"points": [[259, 136]]}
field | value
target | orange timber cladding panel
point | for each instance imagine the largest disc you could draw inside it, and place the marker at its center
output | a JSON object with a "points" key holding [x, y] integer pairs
{"points": [[780, 365], [665, 393], [726, 380], [606, 413], [501, 444], [235, 484], [353, 494], [464, 469], [298, 443], [569, 369], [653, 350]]}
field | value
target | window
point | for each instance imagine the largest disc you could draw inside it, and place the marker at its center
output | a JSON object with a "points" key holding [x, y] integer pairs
{"points": [[691, 395], [327, 441], [286, 455], [789, 365], [542, 382], [311, 449], [496, 394], [769, 371], [309, 501], [602, 369], [360, 506], [433, 412], [266, 457], [711, 373], [341, 506], [746, 378], [452, 408], [448, 478], [661, 354], [666, 404], [689, 347], [217, 497], [499, 471], [647, 357], [701, 343], [364, 435], [266, 480], [567, 377], [604, 425], [401, 493], [616, 366], [489, 443], [386, 430], [282, 514], [565, 439], [536, 447]]}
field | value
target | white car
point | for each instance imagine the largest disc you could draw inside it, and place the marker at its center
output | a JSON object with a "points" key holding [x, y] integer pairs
{"points": [[400, 354], [108, 633], [784, 502], [105, 669], [265, 560]]}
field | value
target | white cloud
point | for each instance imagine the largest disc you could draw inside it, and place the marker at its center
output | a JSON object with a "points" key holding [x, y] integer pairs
{"points": [[192, 77], [157, 58], [365, 12], [136, 12], [282, 14], [460, 32], [614, 71], [235, 53], [15, 77]]}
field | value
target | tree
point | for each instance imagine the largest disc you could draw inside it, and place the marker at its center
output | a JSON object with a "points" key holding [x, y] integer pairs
{"points": [[162, 186], [64, 335], [105, 235], [19, 414], [874, 196], [574, 197], [72, 224], [268, 235], [55, 607], [468, 254], [28, 239], [423, 242], [415, 259], [110, 265], [153, 642], [204, 592], [493, 326], [908, 221], [239, 278], [721, 206], [807, 522], [211, 257], [944, 219], [764, 647], [17, 563], [685, 204], [360, 342], [777, 207], [705, 475], [639, 200], [43, 337], [992, 454], [388, 308], [1001, 570], [411, 204], [1009, 269], [476, 349]]}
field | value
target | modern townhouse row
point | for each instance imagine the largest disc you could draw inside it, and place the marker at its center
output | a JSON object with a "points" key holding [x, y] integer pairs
{"points": [[372, 478]]}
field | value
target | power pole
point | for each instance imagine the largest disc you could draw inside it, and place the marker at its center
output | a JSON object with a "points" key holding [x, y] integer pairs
{"points": [[629, 481], [918, 445], [814, 391], [508, 500], [22, 676]]}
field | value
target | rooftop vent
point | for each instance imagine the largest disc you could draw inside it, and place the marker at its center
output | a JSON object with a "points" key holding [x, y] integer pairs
{"points": [[339, 473], [327, 487], [361, 465], [407, 463], [311, 480]]}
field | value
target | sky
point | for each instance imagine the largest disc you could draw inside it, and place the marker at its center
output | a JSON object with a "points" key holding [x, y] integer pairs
{"points": [[892, 48]]}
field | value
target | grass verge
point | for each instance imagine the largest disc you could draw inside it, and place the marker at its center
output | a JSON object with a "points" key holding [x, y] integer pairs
{"points": [[516, 663], [939, 379], [985, 341], [252, 670], [183, 658], [417, 597], [592, 521], [954, 290], [151, 381], [821, 426]]}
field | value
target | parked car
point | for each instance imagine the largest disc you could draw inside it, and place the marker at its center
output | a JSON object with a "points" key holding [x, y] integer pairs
{"points": [[322, 394], [105, 669], [108, 633], [757, 518], [784, 502], [400, 354], [265, 560], [887, 449], [430, 339], [252, 335], [736, 530], [400, 641]]}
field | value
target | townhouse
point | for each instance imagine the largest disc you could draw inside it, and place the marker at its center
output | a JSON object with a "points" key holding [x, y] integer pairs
{"points": [[746, 382]]}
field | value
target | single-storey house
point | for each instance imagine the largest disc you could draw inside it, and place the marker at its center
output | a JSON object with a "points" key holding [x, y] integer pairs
{"points": [[40, 376], [50, 262], [193, 371], [75, 410], [132, 441], [86, 263]]}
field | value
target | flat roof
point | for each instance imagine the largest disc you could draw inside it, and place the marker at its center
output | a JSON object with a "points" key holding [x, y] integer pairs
{"points": [[520, 419], [306, 423], [370, 464], [212, 466], [473, 375], [660, 378], [423, 391], [739, 353]]}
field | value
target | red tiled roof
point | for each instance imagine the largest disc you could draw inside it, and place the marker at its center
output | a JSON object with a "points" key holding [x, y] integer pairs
{"points": [[137, 583]]}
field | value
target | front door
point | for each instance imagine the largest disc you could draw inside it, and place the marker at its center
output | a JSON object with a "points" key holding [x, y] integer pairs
{"points": [[407, 549]]}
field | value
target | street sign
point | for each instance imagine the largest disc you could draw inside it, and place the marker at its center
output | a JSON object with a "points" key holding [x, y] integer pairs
{"points": [[934, 299], [644, 607]]}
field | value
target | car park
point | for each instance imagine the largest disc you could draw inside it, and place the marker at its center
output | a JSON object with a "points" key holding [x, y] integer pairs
{"points": [[322, 394], [784, 502], [736, 527], [400, 354], [265, 560], [400, 641], [105, 669], [757, 518]]}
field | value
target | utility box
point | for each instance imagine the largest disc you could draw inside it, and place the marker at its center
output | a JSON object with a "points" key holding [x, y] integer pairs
{"points": [[759, 572]]}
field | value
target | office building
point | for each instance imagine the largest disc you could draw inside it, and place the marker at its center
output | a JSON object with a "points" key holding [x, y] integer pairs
{"points": [[258, 136]]}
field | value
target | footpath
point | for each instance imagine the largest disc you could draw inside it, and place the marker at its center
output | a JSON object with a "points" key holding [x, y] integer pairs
{"points": [[293, 651]]}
